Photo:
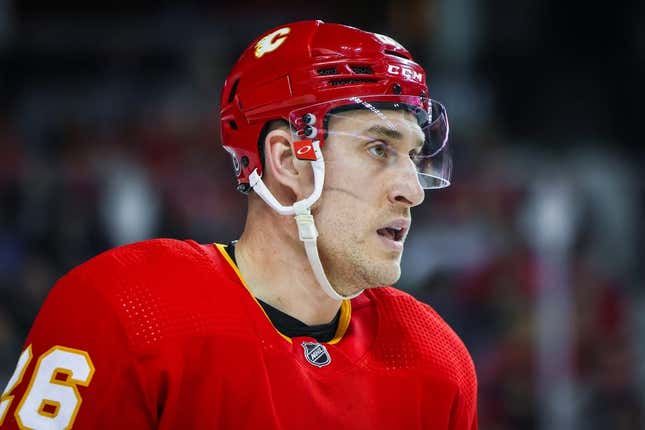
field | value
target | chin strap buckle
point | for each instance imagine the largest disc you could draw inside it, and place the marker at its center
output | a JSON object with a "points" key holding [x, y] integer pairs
{"points": [[305, 220], [306, 227]]}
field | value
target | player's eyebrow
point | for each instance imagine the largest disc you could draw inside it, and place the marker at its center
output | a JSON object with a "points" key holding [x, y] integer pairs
{"points": [[390, 133]]}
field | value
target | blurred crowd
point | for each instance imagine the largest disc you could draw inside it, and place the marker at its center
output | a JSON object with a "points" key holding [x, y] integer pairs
{"points": [[531, 255]]}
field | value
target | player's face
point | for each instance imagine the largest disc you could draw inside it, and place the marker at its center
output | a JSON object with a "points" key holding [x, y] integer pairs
{"points": [[370, 185]]}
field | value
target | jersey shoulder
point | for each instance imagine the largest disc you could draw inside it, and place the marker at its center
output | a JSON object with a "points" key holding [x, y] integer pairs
{"points": [[158, 289], [118, 327], [413, 339], [412, 335], [154, 259]]}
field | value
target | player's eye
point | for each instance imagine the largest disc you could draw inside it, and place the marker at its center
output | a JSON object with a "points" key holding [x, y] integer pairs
{"points": [[378, 149]]}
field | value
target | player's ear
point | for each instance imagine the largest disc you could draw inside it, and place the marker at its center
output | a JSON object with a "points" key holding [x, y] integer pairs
{"points": [[283, 166]]}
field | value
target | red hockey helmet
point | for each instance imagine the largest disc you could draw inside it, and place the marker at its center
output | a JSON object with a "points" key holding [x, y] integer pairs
{"points": [[303, 64]]}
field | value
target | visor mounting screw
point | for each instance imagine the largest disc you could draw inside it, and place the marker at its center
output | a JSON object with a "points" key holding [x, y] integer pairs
{"points": [[243, 188], [423, 95], [245, 161], [309, 119], [396, 88], [310, 132]]}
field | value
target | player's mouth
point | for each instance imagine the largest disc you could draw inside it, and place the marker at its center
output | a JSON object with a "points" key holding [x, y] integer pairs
{"points": [[393, 234]]}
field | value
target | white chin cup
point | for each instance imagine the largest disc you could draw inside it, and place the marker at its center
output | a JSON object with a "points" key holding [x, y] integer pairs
{"points": [[302, 210]]}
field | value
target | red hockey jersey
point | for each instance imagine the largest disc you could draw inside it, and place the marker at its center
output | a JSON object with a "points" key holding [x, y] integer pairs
{"points": [[164, 334]]}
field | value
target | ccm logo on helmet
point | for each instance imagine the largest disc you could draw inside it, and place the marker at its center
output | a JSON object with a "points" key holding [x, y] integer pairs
{"points": [[406, 72], [271, 41]]}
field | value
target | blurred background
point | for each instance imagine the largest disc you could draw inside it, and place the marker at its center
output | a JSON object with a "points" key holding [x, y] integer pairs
{"points": [[109, 134]]}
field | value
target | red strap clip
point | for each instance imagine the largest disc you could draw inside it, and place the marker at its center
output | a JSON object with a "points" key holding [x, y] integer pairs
{"points": [[305, 150]]}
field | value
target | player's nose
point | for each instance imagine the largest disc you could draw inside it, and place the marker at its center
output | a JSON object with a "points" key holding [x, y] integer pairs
{"points": [[406, 188]]}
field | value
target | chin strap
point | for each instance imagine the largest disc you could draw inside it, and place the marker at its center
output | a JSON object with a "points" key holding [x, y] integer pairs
{"points": [[308, 234], [302, 210]]}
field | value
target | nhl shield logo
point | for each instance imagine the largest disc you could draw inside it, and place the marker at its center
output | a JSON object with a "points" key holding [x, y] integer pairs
{"points": [[316, 354]]}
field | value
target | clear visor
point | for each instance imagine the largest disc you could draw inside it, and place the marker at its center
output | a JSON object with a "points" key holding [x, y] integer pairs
{"points": [[394, 129]]}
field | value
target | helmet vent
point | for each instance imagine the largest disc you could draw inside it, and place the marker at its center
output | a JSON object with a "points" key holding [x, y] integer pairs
{"points": [[231, 95], [327, 71], [362, 70], [397, 54], [351, 81], [233, 125]]}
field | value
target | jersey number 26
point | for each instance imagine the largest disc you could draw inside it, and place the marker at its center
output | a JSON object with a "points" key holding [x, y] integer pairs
{"points": [[51, 400]]}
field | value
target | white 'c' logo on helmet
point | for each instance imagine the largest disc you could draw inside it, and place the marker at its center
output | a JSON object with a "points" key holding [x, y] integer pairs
{"points": [[271, 41]]}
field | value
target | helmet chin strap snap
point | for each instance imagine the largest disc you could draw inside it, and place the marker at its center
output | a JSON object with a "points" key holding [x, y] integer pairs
{"points": [[304, 220]]}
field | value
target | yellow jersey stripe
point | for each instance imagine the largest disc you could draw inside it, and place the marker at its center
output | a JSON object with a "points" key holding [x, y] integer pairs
{"points": [[345, 306]]}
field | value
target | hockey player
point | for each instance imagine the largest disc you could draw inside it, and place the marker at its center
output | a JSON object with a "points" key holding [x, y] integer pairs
{"points": [[334, 137]]}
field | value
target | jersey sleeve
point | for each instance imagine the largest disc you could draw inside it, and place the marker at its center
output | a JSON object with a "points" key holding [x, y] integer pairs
{"points": [[77, 370]]}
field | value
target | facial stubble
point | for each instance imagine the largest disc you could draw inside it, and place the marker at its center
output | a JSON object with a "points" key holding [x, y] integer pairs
{"points": [[349, 246]]}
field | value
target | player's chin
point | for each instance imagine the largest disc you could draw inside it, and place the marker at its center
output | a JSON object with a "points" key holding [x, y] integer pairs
{"points": [[386, 272]]}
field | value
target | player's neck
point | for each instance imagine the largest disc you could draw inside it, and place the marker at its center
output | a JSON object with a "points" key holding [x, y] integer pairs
{"points": [[275, 267]]}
